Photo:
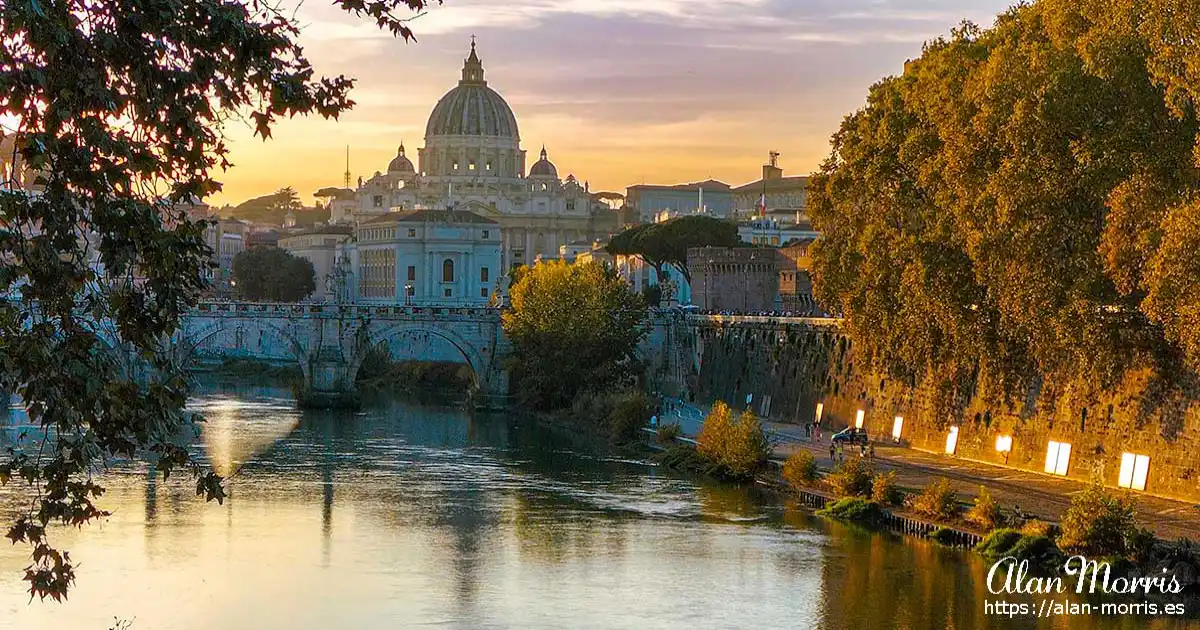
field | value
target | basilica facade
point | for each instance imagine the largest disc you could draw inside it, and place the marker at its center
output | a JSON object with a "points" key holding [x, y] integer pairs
{"points": [[473, 162]]}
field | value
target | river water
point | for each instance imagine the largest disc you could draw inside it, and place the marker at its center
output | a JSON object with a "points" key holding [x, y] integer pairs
{"points": [[408, 515]]}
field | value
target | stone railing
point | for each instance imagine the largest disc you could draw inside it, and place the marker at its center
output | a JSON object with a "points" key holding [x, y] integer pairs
{"points": [[768, 320], [322, 310]]}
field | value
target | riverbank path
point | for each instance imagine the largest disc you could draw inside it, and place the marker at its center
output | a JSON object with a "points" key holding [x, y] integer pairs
{"points": [[1044, 496]]}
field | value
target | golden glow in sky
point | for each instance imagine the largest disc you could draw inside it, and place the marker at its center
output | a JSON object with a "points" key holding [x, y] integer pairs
{"points": [[620, 91]]}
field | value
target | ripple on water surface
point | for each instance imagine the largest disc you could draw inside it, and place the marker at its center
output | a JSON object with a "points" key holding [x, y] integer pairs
{"points": [[407, 516]]}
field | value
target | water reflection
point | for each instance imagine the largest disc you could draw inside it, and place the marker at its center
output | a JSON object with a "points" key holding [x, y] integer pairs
{"points": [[236, 430], [406, 514]]}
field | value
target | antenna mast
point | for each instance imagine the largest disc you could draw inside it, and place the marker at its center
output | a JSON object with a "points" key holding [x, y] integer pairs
{"points": [[346, 175]]}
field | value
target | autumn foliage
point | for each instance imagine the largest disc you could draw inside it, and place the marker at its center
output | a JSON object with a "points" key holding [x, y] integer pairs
{"points": [[738, 446], [1022, 203]]}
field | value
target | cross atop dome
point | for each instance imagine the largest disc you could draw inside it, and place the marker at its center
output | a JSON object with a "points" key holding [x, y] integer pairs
{"points": [[472, 72]]}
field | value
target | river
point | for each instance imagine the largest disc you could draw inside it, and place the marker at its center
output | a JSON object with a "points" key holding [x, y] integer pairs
{"points": [[408, 515]]}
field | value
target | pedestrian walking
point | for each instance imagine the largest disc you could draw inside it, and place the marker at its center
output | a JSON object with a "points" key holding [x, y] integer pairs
{"points": [[862, 451], [807, 431], [841, 452], [871, 452], [833, 453]]}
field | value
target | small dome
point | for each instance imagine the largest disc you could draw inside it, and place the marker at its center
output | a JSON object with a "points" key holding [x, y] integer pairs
{"points": [[543, 167], [401, 164]]}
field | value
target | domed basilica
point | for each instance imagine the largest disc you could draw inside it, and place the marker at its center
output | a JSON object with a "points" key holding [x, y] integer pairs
{"points": [[473, 162]]}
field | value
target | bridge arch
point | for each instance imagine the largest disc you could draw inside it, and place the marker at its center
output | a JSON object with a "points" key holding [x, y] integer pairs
{"points": [[255, 338], [387, 335]]}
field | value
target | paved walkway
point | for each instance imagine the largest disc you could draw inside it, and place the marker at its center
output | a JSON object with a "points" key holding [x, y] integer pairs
{"points": [[1045, 496]]}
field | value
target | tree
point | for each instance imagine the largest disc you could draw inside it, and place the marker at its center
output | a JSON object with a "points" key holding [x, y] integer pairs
{"points": [[1016, 204], [739, 447], [573, 328], [273, 275], [120, 107], [274, 208], [662, 244]]}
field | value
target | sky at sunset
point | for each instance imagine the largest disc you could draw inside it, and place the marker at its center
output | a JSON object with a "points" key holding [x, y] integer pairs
{"points": [[621, 92]]}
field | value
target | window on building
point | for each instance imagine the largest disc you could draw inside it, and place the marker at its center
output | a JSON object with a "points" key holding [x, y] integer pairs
{"points": [[448, 270], [485, 234], [483, 292], [483, 274], [412, 232], [456, 166], [487, 166], [377, 200], [774, 240], [447, 292], [543, 187], [412, 273], [570, 204], [471, 166]]}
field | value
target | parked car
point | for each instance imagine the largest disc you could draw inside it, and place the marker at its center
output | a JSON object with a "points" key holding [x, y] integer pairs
{"points": [[851, 435]]}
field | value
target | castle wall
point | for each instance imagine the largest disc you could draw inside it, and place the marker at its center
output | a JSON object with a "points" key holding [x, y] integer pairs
{"points": [[789, 369]]}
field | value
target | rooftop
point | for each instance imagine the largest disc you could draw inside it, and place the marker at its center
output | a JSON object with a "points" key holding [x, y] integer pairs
{"points": [[321, 229], [774, 184], [432, 216], [708, 184]]}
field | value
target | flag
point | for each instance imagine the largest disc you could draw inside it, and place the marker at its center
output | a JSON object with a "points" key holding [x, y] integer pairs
{"points": [[762, 205]]}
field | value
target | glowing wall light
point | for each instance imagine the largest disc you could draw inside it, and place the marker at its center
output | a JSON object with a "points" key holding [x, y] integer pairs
{"points": [[1134, 469], [1058, 457]]}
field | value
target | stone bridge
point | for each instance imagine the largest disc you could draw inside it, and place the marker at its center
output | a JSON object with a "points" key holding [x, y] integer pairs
{"points": [[329, 342]]}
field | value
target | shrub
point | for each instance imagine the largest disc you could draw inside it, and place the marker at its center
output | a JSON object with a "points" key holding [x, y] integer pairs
{"points": [[855, 509], [986, 512], [884, 490], [668, 433], [937, 501], [997, 543], [630, 413], [943, 536], [800, 469], [851, 479], [1141, 545], [1036, 528], [1038, 550], [684, 457], [1099, 523], [738, 447]]}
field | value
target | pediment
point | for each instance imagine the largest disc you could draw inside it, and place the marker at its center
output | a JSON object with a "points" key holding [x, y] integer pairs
{"points": [[482, 209]]}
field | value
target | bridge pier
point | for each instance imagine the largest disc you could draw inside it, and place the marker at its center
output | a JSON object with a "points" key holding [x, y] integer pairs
{"points": [[328, 385]]}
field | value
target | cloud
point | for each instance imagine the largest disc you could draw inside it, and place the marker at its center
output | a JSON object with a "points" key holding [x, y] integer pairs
{"points": [[618, 89]]}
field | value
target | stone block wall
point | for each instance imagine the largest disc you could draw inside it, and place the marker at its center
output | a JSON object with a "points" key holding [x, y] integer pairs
{"points": [[789, 369]]}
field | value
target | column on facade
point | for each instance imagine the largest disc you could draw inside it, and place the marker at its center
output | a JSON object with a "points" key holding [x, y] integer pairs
{"points": [[465, 282], [429, 271]]}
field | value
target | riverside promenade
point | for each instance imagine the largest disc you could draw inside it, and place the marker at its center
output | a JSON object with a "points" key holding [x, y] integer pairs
{"points": [[1043, 496]]}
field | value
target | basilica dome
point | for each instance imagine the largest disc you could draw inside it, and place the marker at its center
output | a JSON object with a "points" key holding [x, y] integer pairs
{"points": [[472, 108]]}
